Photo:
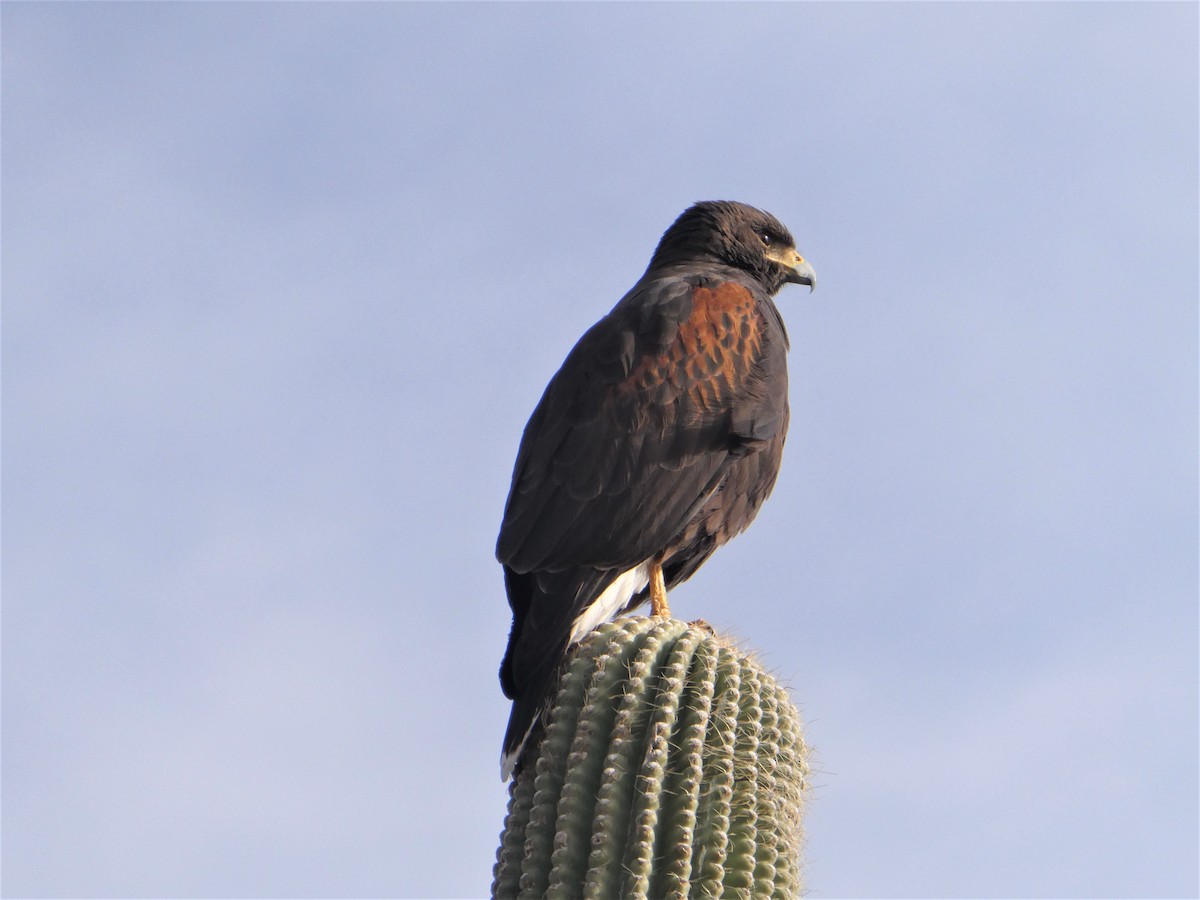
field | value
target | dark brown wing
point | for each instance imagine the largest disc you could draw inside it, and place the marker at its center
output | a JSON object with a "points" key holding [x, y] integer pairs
{"points": [[636, 429]]}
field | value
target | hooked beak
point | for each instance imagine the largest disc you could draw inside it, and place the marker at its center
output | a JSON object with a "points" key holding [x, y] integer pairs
{"points": [[802, 273], [799, 271]]}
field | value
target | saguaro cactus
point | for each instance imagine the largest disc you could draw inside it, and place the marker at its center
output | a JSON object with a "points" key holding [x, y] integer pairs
{"points": [[672, 766]]}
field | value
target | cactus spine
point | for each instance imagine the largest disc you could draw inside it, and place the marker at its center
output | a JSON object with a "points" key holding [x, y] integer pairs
{"points": [[672, 766]]}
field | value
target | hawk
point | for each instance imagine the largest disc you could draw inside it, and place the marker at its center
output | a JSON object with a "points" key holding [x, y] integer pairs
{"points": [[655, 443]]}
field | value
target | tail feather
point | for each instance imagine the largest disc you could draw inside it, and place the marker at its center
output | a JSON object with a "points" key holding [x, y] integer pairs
{"points": [[524, 721], [551, 611]]}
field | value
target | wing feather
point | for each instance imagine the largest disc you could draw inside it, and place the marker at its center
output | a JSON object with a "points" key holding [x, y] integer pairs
{"points": [[636, 429]]}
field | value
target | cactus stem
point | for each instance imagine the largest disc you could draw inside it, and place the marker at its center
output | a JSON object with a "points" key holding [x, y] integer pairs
{"points": [[671, 766]]}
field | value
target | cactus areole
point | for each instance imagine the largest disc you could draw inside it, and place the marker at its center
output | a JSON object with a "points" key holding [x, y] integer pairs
{"points": [[655, 443], [671, 766]]}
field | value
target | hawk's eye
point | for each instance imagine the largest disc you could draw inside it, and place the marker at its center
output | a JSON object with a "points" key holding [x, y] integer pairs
{"points": [[766, 238]]}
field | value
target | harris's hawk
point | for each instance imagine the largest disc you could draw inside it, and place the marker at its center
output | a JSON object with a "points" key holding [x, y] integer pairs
{"points": [[655, 443]]}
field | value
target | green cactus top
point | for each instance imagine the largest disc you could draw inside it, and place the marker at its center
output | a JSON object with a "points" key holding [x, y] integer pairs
{"points": [[672, 765]]}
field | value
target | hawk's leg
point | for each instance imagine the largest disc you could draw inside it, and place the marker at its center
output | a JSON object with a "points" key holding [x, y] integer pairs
{"points": [[658, 591]]}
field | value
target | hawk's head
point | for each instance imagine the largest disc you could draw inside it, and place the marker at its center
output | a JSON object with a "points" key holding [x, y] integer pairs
{"points": [[737, 235]]}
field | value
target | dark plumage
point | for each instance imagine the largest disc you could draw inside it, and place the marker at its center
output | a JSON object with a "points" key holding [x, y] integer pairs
{"points": [[655, 443]]}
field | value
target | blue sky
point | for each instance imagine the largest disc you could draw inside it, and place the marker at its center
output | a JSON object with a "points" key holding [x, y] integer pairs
{"points": [[282, 284]]}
